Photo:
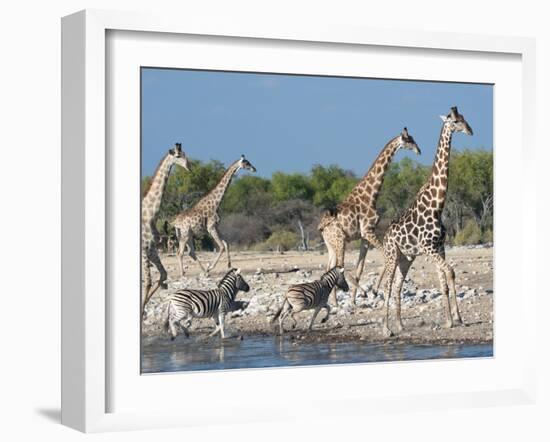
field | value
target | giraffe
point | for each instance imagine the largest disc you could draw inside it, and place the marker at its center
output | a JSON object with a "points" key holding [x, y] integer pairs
{"points": [[150, 207], [356, 216], [420, 231], [204, 216]]}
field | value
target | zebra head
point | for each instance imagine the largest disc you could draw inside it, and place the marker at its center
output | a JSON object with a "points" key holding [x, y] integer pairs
{"points": [[240, 283], [341, 282], [235, 280]]}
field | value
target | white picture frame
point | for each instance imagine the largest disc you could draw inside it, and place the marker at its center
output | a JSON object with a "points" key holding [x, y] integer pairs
{"points": [[86, 352]]}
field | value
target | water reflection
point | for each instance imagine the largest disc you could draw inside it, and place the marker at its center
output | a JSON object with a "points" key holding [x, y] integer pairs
{"points": [[273, 351]]}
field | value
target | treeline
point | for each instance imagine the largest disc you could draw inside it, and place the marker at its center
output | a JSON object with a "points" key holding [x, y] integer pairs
{"points": [[283, 212]]}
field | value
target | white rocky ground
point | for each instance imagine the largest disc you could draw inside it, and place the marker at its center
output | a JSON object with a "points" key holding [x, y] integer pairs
{"points": [[422, 309]]}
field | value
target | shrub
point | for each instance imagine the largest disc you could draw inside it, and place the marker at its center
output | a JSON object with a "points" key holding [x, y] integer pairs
{"points": [[488, 235], [470, 234], [280, 240], [241, 230]]}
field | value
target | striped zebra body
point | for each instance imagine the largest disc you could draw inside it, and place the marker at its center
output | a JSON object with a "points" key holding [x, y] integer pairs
{"points": [[311, 295], [216, 303]]}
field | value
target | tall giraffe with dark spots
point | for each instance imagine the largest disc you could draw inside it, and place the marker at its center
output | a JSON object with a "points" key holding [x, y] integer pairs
{"points": [[420, 231], [203, 217], [150, 207], [356, 217]]}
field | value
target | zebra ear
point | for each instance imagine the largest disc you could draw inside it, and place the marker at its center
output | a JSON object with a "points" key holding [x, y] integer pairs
{"points": [[238, 272], [341, 269]]}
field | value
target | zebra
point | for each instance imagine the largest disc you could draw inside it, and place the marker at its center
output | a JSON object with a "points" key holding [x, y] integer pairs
{"points": [[188, 304], [311, 295]]}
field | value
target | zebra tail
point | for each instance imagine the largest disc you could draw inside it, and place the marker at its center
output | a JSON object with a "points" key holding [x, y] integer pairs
{"points": [[279, 311]]}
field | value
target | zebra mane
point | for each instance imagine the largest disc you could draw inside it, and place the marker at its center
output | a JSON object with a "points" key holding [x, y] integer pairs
{"points": [[226, 276], [331, 275]]}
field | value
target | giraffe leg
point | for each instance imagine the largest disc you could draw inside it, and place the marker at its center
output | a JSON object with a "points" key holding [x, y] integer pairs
{"points": [[330, 264], [146, 271], [376, 289], [403, 265], [390, 268], [183, 240], [153, 257], [336, 242], [193, 255], [450, 276], [221, 244], [446, 274], [363, 249]]}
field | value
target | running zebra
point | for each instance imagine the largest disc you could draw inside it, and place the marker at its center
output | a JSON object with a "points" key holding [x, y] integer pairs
{"points": [[188, 304], [311, 295]]}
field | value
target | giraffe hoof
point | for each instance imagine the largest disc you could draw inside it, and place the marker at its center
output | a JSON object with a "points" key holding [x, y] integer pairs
{"points": [[387, 332]]}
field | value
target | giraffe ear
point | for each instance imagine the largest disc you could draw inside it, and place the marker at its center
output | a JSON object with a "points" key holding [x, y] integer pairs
{"points": [[443, 117]]}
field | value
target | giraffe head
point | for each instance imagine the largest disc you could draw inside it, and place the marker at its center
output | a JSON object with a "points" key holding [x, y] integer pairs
{"points": [[457, 122], [178, 156], [245, 164], [406, 141]]}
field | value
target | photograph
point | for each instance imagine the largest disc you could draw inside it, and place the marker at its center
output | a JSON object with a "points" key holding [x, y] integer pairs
{"points": [[305, 220]]}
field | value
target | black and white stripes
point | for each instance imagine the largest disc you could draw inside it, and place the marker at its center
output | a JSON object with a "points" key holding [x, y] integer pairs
{"points": [[311, 295], [188, 304]]}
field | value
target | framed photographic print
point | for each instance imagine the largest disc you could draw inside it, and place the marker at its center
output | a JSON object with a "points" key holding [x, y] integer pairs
{"points": [[258, 210]]}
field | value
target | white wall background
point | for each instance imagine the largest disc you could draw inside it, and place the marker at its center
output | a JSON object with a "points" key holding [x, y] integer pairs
{"points": [[30, 221]]}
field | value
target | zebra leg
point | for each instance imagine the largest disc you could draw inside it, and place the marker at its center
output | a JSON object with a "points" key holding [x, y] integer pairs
{"points": [[222, 324], [286, 310], [327, 308], [315, 313], [216, 328], [295, 322]]}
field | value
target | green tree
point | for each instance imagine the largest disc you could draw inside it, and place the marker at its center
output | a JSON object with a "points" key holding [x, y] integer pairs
{"points": [[330, 184], [401, 184], [290, 186], [248, 194], [470, 189]]}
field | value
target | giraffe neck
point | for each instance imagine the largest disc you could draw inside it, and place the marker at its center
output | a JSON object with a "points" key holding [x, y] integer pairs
{"points": [[217, 193], [153, 198], [440, 170], [374, 178]]}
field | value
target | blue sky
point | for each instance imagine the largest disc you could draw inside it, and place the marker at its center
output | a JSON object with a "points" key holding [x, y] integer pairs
{"points": [[288, 123]]}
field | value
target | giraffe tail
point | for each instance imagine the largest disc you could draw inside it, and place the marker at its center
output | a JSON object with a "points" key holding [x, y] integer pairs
{"points": [[325, 220]]}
